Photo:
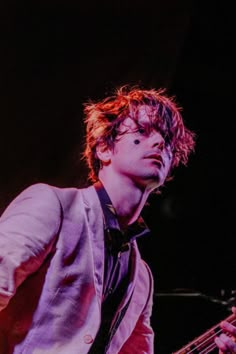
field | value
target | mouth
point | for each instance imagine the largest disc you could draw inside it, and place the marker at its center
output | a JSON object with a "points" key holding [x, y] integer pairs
{"points": [[156, 157]]}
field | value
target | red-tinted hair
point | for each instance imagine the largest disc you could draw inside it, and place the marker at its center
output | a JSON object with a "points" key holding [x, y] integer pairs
{"points": [[104, 118]]}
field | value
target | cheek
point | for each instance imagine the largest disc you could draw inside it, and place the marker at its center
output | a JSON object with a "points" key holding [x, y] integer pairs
{"points": [[126, 147]]}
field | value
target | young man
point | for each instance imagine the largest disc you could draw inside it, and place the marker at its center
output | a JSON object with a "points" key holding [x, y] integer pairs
{"points": [[71, 277]]}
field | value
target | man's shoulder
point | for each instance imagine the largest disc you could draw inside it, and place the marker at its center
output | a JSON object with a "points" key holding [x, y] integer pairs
{"points": [[42, 195], [45, 188], [46, 196], [65, 195], [41, 191]]}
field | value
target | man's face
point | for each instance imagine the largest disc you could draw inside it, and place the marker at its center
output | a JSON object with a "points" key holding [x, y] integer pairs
{"points": [[141, 154]]}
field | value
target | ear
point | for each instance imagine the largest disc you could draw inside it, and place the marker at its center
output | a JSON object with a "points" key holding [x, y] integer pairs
{"points": [[103, 153]]}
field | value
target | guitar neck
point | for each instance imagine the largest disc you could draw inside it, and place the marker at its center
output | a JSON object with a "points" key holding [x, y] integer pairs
{"points": [[204, 344]]}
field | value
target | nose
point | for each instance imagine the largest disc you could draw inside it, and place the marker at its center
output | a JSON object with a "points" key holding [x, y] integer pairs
{"points": [[157, 141]]}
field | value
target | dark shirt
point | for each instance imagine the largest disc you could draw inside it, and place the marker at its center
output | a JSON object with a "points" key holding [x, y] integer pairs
{"points": [[117, 266]]}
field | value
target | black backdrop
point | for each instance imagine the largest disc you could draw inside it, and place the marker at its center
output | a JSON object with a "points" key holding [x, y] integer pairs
{"points": [[55, 55]]}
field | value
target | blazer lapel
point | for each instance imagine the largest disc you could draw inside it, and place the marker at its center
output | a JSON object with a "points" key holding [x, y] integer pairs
{"points": [[96, 234]]}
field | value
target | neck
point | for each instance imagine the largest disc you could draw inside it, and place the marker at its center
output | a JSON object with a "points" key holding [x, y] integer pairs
{"points": [[127, 198]]}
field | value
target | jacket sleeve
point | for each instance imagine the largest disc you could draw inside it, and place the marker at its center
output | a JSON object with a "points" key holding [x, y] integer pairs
{"points": [[28, 229], [141, 339]]}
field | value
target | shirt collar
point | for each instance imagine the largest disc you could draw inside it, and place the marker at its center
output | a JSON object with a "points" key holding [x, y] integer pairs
{"points": [[133, 231]]}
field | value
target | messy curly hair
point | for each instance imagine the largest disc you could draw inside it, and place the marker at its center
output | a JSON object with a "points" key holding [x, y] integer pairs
{"points": [[103, 119]]}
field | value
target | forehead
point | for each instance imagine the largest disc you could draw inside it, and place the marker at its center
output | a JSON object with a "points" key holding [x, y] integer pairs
{"points": [[143, 115], [150, 118]]}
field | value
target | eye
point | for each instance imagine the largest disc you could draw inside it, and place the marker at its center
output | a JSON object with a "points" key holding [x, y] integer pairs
{"points": [[141, 130]]}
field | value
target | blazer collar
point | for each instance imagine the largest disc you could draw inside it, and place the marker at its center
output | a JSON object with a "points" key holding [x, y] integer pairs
{"points": [[115, 238]]}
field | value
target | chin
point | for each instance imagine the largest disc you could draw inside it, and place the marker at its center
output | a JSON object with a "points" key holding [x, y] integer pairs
{"points": [[153, 181]]}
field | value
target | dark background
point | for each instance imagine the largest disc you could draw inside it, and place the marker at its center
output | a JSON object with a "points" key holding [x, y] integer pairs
{"points": [[56, 55]]}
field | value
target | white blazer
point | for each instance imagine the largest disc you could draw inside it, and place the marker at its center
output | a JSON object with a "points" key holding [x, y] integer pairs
{"points": [[51, 277]]}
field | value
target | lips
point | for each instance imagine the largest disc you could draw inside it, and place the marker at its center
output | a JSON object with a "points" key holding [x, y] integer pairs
{"points": [[154, 156]]}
